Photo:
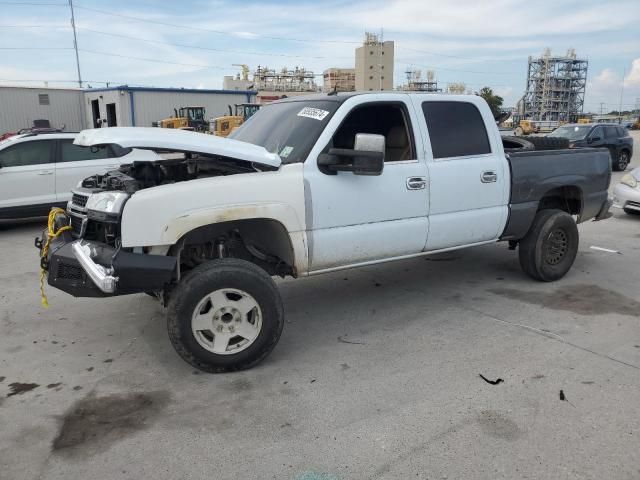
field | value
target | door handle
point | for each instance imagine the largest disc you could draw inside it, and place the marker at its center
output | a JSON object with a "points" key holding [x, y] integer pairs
{"points": [[46, 172], [416, 183], [489, 177]]}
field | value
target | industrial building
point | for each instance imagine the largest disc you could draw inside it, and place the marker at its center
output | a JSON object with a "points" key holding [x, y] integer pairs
{"points": [[417, 83], [374, 64], [555, 87], [141, 106], [122, 106], [20, 106], [339, 80]]}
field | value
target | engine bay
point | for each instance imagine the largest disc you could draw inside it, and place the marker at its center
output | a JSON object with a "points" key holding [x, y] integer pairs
{"points": [[139, 175]]}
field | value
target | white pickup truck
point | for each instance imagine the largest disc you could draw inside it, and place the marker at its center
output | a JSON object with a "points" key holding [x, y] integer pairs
{"points": [[311, 185]]}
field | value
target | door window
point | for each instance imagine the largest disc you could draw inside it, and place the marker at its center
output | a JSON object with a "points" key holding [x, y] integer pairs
{"points": [[74, 153], [387, 119], [597, 132], [611, 132], [28, 153], [456, 129]]}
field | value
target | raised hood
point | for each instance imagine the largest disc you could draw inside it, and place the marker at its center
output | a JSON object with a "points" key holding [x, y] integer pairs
{"points": [[166, 139]]}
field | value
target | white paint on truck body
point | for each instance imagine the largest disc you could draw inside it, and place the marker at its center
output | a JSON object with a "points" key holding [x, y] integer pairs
{"points": [[177, 140], [362, 218], [179, 208], [334, 221]]}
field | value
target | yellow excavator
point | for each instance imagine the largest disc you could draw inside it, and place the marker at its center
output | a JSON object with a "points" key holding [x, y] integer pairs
{"points": [[223, 126], [186, 118]]}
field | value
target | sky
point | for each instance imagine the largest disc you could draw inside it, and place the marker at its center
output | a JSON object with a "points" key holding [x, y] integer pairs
{"points": [[193, 44]]}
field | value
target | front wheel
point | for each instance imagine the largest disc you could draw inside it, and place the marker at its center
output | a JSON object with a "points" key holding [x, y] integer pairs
{"points": [[549, 249], [225, 315], [620, 165]]}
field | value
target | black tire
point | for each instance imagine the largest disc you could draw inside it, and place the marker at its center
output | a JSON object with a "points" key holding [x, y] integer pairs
{"points": [[549, 143], [549, 249], [221, 274], [620, 164], [511, 144]]}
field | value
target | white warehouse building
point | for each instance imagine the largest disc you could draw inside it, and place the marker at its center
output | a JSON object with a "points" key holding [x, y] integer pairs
{"points": [[121, 106]]}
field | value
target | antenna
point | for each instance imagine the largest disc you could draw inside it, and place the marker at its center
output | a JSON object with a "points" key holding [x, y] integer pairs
{"points": [[75, 42]]}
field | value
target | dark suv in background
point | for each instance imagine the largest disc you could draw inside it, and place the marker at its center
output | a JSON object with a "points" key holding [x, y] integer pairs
{"points": [[612, 136]]}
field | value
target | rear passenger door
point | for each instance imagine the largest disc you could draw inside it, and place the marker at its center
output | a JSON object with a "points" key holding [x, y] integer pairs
{"points": [[26, 178], [75, 163], [467, 172]]}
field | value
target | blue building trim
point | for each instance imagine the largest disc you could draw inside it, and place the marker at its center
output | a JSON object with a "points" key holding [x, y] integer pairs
{"points": [[126, 88]]}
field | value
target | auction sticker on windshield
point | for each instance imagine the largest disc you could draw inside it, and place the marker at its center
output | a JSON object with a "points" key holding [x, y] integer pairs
{"points": [[314, 113]]}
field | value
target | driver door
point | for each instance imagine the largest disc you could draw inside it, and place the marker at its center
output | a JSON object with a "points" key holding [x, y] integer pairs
{"points": [[354, 219]]}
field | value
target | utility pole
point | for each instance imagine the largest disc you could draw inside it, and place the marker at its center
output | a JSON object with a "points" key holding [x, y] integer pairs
{"points": [[601, 105], [75, 43], [624, 71]]}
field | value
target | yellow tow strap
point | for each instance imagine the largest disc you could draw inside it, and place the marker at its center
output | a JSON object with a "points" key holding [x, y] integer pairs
{"points": [[51, 234]]}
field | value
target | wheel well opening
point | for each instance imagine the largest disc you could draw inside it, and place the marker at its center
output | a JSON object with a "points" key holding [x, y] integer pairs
{"points": [[567, 198], [262, 241]]}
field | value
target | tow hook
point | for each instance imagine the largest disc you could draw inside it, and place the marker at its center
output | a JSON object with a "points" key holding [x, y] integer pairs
{"points": [[38, 243]]}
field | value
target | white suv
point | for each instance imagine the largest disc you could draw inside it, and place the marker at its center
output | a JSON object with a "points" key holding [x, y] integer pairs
{"points": [[38, 171]]}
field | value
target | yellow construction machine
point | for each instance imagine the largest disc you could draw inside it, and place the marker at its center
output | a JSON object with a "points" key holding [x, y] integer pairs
{"points": [[186, 118], [526, 127], [223, 126]]}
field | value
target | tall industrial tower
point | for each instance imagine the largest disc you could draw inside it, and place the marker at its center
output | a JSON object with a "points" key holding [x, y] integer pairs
{"points": [[374, 63], [555, 87]]}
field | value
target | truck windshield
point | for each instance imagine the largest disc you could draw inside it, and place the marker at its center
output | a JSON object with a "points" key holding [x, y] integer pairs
{"points": [[289, 129], [573, 132]]}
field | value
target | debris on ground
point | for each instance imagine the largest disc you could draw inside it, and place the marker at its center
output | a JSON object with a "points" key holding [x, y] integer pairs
{"points": [[608, 250], [491, 382], [340, 339], [18, 388], [564, 399]]}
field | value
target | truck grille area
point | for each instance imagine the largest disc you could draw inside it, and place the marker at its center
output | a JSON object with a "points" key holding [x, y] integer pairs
{"points": [[76, 226], [79, 200], [69, 272]]}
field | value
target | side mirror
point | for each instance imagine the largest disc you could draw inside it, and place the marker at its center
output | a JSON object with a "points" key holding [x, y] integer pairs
{"points": [[366, 158], [593, 139]]}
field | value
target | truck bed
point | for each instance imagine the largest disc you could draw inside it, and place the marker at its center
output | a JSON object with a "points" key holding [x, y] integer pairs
{"points": [[537, 174]]}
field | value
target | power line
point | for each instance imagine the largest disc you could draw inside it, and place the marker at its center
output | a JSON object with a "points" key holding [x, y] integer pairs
{"points": [[39, 4], [197, 47], [151, 59], [218, 32], [36, 48], [35, 26], [433, 53], [433, 67]]}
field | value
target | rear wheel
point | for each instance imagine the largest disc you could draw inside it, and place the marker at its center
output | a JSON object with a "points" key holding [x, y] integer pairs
{"points": [[621, 163], [549, 249], [225, 315]]}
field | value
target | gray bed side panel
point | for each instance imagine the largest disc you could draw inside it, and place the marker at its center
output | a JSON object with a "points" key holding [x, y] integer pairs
{"points": [[535, 173]]}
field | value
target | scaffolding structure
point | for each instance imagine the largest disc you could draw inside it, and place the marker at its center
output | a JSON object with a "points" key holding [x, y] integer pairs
{"points": [[415, 82], [339, 80], [555, 87], [284, 80], [457, 88]]}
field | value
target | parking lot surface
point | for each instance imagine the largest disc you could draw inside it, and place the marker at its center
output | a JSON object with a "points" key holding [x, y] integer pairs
{"points": [[376, 375]]}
